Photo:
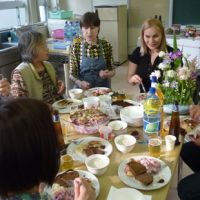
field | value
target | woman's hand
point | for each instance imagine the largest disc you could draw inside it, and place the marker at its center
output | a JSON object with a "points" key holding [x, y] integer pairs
{"points": [[195, 112], [83, 190], [104, 74], [135, 79], [196, 139], [83, 84], [61, 87], [4, 87]]}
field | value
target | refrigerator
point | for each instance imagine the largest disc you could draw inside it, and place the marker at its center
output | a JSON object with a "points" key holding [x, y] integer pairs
{"points": [[114, 29]]}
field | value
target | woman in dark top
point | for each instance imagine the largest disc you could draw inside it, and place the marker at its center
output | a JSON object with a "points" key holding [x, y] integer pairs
{"points": [[29, 155], [144, 60]]}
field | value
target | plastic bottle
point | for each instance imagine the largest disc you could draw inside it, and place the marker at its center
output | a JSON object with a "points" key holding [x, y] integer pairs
{"points": [[77, 28], [68, 32], [161, 98], [58, 129], [174, 128], [73, 30], [152, 112]]}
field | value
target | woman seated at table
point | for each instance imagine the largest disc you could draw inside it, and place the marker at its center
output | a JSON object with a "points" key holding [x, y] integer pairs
{"points": [[4, 87], [29, 152], [91, 59], [35, 77], [189, 187], [144, 59]]}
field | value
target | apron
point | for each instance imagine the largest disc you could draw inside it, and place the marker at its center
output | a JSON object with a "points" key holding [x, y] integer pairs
{"points": [[90, 68]]}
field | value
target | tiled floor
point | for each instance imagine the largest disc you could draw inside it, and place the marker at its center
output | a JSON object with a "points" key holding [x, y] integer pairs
{"points": [[119, 82]]}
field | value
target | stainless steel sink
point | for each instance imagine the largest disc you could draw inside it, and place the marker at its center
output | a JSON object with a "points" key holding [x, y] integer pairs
{"points": [[8, 53], [6, 45], [9, 58]]}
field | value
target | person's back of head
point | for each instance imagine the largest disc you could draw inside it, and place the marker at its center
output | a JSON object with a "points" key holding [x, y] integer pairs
{"points": [[90, 19], [28, 43], [28, 146], [152, 23]]}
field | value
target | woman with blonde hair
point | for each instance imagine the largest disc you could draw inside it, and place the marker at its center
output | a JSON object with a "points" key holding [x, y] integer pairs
{"points": [[144, 59]]}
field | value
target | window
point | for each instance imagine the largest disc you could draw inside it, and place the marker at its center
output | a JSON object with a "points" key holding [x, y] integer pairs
{"points": [[22, 12]]}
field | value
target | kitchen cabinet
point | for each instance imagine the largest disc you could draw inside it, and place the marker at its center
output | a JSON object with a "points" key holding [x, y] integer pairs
{"points": [[114, 29], [190, 46]]}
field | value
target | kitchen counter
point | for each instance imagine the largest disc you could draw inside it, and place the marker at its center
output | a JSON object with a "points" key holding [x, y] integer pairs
{"points": [[53, 50]]}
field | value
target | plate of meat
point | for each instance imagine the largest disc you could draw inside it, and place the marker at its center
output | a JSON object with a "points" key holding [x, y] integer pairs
{"points": [[144, 172], [66, 105], [97, 91], [63, 187], [84, 147]]}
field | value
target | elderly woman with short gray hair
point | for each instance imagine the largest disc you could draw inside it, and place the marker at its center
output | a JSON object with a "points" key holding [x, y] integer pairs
{"points": [[35, 77]]}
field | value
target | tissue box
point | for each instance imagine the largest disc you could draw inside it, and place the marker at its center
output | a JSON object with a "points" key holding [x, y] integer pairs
{"points": [[60, 14]]}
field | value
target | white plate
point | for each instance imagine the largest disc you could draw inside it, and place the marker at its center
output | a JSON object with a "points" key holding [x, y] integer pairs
{"points": [[84, 174], [164, 173], [89, 91], [124, 193], [92, 178], [68, 108], [74, 151]]}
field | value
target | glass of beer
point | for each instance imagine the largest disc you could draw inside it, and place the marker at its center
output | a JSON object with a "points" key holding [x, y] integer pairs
{"points": [[154, 146], [66, 162]]}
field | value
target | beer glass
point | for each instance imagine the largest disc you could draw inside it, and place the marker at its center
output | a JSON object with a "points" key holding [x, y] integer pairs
{"points": [[154, 146]]}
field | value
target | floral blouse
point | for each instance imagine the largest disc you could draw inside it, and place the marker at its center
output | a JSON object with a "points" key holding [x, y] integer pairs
{"points": [[18, 87], [29, 196]]}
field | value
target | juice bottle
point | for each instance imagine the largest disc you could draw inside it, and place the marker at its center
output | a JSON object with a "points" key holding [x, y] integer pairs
{"points": [[152, 113]]}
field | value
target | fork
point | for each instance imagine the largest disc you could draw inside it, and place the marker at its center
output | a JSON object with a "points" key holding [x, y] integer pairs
{"points": [[143, 88]]}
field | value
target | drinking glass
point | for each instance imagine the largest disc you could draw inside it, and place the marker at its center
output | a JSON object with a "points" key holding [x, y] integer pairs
{"points": [[154, 146]]}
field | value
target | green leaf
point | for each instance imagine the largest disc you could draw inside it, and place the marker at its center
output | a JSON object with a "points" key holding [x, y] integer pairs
{"points": [[175, 43]]}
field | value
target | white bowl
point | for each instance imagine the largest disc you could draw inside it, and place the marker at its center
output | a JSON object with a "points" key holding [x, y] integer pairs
{"points": [[118, 127], [76, 93], [132, 115], [97, 164], [125, 143], [91, 102]]}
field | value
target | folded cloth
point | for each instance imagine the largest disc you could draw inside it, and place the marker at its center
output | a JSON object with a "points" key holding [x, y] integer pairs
{"points": [[126, 193]]}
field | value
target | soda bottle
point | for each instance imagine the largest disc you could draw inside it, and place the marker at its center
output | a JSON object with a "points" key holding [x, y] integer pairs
{"points": [[174, 128], [58, 129], [161, 98], [152, 112]]}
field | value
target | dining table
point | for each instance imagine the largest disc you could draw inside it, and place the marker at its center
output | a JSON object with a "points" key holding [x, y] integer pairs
{"points": [[110, 177]]}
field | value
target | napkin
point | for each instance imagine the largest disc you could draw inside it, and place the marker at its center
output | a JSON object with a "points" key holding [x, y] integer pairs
{"points": [[113, 190]]}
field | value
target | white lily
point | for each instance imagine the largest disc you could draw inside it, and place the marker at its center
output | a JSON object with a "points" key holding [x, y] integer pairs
{"points": [[161, 54]]}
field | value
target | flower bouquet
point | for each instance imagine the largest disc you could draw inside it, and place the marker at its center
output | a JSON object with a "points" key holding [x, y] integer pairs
{"points": [[178, 81]]}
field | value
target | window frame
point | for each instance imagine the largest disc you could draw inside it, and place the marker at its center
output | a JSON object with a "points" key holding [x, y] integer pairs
{"points": [[17, 4]]}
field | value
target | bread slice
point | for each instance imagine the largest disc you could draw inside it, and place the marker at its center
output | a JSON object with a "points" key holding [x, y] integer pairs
{"points": [[134, 168], [145, 178]]}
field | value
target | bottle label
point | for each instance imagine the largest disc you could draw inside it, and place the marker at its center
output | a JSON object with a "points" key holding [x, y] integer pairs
{"points": [[151, 127]]}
